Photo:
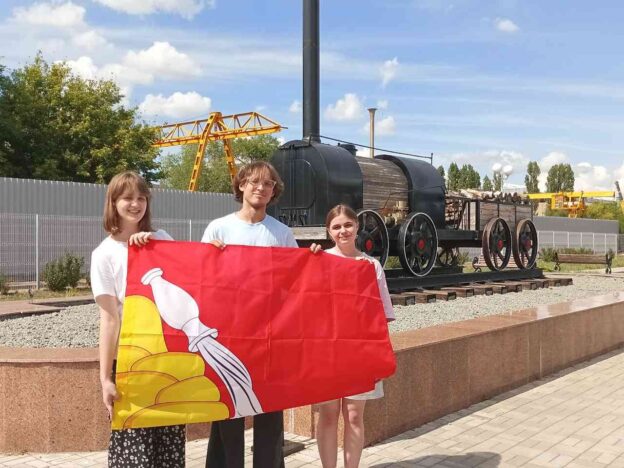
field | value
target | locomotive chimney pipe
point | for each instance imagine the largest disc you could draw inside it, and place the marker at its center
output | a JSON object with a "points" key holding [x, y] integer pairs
{"points": [[311, 74], [371, 112]]}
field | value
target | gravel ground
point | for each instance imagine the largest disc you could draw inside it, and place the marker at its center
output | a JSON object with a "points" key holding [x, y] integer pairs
{"points": [[77, 327]]}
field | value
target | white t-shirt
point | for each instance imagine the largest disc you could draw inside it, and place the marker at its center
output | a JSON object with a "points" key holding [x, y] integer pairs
{"points": [[234, 231], [109, 267], [381, 282]]}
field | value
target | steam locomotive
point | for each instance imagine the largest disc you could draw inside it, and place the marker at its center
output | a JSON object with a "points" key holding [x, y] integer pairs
{"points": [[402, 206]]}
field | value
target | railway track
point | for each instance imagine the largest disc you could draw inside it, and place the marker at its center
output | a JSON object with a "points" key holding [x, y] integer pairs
{"points": [[407, 290]]}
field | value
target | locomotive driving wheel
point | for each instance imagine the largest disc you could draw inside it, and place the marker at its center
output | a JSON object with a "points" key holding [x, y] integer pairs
{"points": [[496, 243], [372, 237], [525, 244], [418, 244], [448, 256]]}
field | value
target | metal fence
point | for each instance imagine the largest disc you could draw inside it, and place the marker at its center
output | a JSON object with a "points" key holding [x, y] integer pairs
{"points": [[29, 241], [598, 242]]}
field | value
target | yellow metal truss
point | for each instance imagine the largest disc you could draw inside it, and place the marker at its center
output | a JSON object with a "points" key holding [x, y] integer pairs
{"points": [[215, 127]]}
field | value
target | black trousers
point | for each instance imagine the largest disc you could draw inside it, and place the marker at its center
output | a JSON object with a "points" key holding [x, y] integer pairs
{"points": [[227, 442]]}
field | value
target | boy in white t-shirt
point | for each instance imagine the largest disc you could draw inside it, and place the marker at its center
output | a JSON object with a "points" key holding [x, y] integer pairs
{"points": [[255, 186]]}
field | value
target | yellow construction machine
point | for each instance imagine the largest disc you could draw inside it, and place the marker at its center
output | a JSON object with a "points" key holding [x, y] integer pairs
{"points": [[216, 127], [573, 202]]}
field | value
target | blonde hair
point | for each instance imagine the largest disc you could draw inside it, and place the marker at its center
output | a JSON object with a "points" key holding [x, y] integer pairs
{"points": [[121, 183], [249, 170], [338, 210]]}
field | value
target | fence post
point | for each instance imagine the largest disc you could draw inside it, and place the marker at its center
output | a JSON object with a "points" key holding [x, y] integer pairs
{"points": [[190, 230], [37, 251]]}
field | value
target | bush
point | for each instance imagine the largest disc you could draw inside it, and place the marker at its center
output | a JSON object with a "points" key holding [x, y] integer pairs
{"points": [[4, 284], [63, 272]]}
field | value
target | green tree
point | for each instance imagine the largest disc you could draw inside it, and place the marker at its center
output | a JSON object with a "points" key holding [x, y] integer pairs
{"points": [[469, 177], [453, 180], [497, 181], [487, 184], [560, 178], [606, 210], [214, 177], [531, 178], [441, 170], [56, 125]]}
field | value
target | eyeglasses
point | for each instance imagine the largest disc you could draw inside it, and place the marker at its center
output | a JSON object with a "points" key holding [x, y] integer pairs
{"points": [[262, 183]]}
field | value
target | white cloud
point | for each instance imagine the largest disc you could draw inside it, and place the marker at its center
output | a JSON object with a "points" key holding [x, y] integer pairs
{"points": [[185, 8], [348, 108], [295, 107], [89, 40], [382, 104], [84, 67], [388, 71], [61, 15], [506, 25], [178, 105], [385, 126], [162, 59]]}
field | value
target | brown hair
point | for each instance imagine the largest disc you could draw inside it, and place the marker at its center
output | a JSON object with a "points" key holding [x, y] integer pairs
{"points": [[254, 168], [122, 182], [340, 210]]}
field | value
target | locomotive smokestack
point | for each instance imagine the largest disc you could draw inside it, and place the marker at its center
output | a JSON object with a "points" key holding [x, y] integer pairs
{"points": [[311, 122]]}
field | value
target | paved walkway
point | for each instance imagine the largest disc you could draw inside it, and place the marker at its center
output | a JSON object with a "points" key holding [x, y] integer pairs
{"points": [[574, 419]]}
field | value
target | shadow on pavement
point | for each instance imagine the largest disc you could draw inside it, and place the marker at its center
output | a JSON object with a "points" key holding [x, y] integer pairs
{"points": [[467, 460]]}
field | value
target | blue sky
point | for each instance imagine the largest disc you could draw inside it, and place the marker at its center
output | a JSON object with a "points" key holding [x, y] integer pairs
{"points": [[472, 81]]}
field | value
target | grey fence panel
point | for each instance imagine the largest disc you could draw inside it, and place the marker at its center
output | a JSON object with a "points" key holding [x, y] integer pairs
{"points": [[18, 246]]}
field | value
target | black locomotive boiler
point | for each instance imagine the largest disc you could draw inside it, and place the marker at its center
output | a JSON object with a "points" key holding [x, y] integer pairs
{"points": [[402, 207]]}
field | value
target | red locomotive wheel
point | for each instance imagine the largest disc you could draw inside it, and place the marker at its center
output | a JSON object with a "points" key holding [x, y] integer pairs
{"points": [[496, 244], [525, 244], [372, 238], [418, 244]]}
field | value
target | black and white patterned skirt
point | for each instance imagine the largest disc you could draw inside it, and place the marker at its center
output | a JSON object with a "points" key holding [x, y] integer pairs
{"points": [[152, 447]]}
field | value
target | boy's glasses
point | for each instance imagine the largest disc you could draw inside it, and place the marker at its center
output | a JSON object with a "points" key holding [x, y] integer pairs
{"points": [[262, 183]]}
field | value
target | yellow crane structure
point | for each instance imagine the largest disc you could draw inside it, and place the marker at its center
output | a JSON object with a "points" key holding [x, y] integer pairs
{"points": [[216, 127], [572, 202]]}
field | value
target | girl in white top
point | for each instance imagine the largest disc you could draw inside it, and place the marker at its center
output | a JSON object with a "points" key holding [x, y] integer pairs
{"points": [[342, 226], [127, 219]]}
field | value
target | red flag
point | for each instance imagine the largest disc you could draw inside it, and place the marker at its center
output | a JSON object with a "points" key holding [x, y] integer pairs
{"points": [[270, 327]]}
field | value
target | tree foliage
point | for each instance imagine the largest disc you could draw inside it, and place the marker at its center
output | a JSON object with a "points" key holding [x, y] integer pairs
{"points": [[441, 170], [497, 181], [606, 210], [560, 178], [469, 178], [214, 177], [56, 125], [453, 178], [487, 184], [531, 178]]}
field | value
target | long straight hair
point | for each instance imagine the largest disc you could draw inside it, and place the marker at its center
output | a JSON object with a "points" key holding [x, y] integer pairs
{"points": [[125, 182]]}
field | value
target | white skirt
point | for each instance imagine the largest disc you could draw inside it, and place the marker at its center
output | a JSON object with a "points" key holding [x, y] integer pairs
{"points": [[373, 394]]}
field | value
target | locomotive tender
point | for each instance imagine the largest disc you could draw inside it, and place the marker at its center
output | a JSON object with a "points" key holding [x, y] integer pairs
{"points": [[402, 208]]}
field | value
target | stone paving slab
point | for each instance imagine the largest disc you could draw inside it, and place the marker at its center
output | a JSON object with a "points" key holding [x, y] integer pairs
{"points": [[574, 418]]}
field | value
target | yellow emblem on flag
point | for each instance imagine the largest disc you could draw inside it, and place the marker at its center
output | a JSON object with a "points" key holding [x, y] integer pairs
{"points": [[158, 387]]}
